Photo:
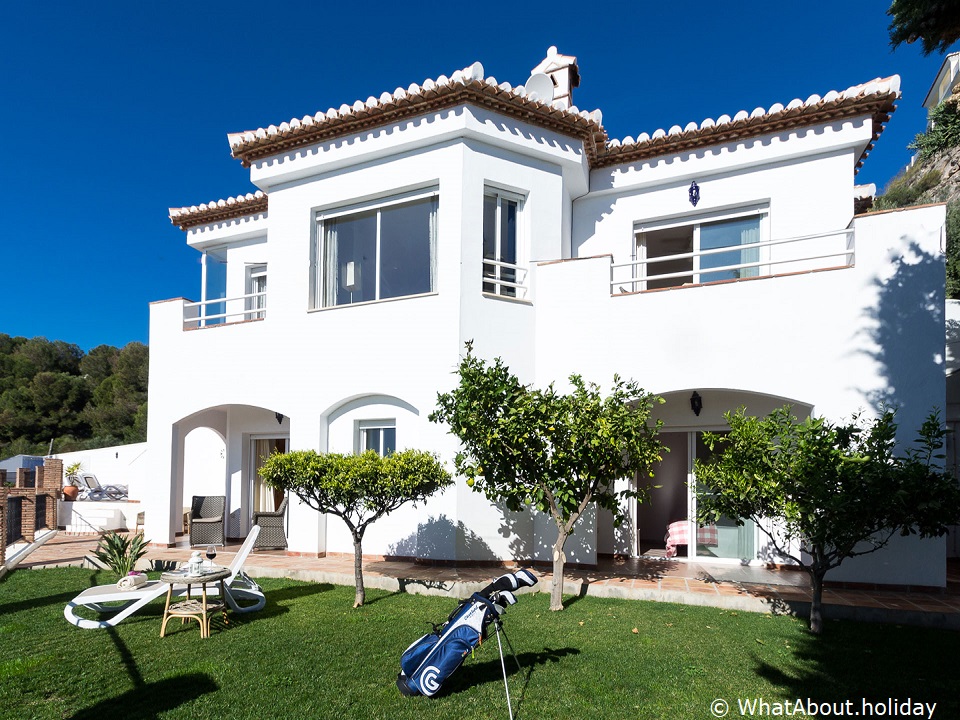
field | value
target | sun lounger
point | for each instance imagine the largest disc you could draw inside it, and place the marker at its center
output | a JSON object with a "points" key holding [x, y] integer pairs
{"points": [[91, 489], [240, 590]]}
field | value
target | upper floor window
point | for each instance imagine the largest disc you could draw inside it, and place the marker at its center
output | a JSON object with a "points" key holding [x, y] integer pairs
{"points": [[502, 274], [213, 280], [256, 291], [378, 252], [677, 253], [377, 435]]}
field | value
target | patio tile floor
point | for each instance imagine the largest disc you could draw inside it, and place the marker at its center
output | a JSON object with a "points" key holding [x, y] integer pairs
{"points": [[729, 587]]}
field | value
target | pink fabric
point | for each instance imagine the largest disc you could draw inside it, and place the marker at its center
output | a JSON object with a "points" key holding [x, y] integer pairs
{"points": [[678, 534]]}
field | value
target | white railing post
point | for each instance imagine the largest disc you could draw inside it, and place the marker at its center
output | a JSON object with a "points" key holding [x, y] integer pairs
{"points": [[238, 309], [815, 252]]}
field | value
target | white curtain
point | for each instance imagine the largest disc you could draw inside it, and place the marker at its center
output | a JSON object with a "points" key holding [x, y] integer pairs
{"points": [[749, 236], [263, 498], [330, 266], [433, 244]]}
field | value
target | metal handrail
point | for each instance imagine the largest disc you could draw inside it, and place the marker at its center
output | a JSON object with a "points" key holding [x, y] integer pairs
{"points": [[848, 253], [495, 279], [202, 319]]}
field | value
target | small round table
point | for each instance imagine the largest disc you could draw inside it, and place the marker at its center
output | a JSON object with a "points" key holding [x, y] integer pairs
{"points": [[191, 608]]}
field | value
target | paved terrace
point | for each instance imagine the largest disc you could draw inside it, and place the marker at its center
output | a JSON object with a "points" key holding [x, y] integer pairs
{"points": [[731, 587]]}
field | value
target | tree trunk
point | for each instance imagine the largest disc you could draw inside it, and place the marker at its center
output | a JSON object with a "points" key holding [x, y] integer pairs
{"points": [[556, 590], [816, 604], [358, 571]]}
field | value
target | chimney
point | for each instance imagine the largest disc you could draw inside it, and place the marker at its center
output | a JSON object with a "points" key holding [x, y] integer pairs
{"points": [[562, 69]]}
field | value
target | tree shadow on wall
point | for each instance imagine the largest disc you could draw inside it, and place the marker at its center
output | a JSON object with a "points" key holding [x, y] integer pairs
{"points": [[519, 530], [438, 537], [908, 334]]}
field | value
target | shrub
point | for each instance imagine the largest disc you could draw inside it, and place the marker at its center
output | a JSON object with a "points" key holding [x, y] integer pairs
{"points": [[119, 552], [944, 132], [906, 188], [953, 250]]}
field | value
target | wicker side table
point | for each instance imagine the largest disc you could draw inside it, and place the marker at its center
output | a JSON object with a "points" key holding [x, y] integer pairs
{"points": [[191, 608]]}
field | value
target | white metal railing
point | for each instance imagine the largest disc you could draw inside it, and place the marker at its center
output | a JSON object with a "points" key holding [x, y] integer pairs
{"points": [[222, 311], [496, 279], [787, 255]]}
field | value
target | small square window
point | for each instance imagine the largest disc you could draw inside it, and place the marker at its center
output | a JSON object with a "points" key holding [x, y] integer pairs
{"points": [[377, 435]]}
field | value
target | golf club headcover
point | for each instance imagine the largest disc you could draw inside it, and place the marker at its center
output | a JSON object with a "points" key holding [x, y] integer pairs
{"points": [[504, 599], [525, 577]]}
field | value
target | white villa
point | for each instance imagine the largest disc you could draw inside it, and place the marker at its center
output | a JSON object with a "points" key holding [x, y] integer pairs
{"points": [[724, 261]]}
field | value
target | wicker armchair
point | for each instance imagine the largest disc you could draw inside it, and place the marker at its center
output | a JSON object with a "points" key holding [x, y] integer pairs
{"points": [[206, 519], [272, 535]]}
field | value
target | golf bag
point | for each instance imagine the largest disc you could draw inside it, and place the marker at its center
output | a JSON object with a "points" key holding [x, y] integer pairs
{"points": [[429, 661]]}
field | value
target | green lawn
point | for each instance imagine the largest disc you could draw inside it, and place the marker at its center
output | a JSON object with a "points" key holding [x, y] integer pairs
{"points": [[308, 654]]}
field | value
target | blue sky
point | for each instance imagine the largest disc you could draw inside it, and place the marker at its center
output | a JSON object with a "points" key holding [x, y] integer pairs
{"points": [[113, 112]]}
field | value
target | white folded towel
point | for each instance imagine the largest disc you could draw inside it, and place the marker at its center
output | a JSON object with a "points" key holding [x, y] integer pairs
{"points": [[130, 582]]}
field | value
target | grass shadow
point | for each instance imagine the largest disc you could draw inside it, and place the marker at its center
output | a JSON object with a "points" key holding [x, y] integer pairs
{"points": [[277, 599], [34, 604], [873, 662], [581, 594], [151, 700], [487, 671]]}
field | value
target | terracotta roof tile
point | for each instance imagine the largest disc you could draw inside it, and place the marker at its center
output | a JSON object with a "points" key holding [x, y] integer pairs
{"points": [[875, 98], [217, 210], [463, 86]]}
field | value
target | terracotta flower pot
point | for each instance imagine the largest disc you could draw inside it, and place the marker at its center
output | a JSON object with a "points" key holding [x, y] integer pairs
{"points": [[70, 492]]}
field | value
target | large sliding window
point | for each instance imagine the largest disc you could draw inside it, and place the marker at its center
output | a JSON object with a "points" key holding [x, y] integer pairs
{"points": [[679, 253], [377, 253]]}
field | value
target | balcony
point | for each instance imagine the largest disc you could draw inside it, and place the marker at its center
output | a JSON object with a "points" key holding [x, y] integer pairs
{"points": [[786, 256], [224, 311]]}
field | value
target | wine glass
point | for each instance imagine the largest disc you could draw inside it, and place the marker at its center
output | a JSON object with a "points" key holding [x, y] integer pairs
{"points": [[211, 553]]}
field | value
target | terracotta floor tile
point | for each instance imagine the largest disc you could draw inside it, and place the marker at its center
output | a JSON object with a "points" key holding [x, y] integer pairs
{"points": [[627, 576]]}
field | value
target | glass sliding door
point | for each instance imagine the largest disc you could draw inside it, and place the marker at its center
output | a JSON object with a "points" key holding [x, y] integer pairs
{"points": [[724, 539]]}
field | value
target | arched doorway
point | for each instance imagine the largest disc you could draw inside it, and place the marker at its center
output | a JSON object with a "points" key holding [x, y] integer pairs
{"points": [[665, 524]]}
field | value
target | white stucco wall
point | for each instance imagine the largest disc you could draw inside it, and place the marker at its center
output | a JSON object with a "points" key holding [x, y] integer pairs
{"points": [[117, 465], [835, 341]]}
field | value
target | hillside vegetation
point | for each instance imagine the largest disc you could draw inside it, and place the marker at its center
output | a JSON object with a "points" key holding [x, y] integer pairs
{"points": [[934, 177], [51, 390]]}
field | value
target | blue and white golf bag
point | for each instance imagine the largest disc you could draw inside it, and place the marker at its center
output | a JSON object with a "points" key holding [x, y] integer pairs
{"points": [[429, 661]]}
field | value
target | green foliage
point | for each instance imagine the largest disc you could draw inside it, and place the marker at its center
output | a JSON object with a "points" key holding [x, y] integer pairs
{"points": [[953, 250], [944, 132], [557, 453], [70, 472], [359, 489], [935, 22], [906, 188], [119, 552], [52, 390], [839, 491]]}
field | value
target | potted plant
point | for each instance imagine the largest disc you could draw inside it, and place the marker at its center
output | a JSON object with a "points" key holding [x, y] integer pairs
{"points": [[71, 483], [120, 552]]}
